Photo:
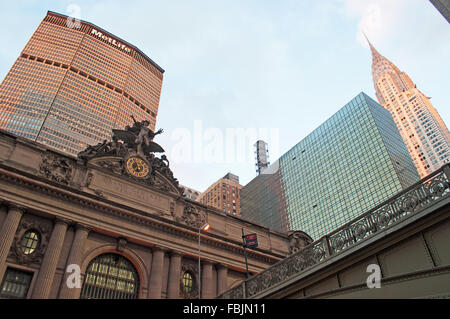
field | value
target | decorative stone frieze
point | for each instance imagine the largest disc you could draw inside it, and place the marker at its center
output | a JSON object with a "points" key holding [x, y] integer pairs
{"points": [[92, 204], [192, 217], [56, 168]]}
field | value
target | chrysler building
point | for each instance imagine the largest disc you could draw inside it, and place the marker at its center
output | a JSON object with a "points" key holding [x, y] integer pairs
{"points": [[420, 125]]}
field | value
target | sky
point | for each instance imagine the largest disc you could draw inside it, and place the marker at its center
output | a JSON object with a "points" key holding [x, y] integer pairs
{"points": [[238, 71]]}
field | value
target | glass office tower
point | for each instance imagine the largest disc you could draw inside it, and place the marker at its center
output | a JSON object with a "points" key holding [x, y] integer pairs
{"points": [[350, 163], [74, 82], [443, 7]]}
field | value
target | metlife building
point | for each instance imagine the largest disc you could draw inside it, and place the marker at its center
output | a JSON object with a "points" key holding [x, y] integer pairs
{"points": [[348, 165], [73, 82]]}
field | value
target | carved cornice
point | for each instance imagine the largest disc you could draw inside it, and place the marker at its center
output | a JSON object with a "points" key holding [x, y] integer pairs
{"points": [[129, 214]]}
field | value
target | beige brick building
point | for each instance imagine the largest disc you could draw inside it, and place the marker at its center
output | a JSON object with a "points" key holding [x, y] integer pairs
{"points": [[224, 195]]}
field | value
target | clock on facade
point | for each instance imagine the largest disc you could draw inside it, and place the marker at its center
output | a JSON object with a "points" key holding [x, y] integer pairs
{"points": [[137, 167]]}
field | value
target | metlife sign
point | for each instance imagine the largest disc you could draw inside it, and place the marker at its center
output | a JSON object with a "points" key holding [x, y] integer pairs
{"points": [[115, 43]]}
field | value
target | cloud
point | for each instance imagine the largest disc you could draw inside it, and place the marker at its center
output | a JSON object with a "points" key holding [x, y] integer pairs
{"points": [[377, 18], [255, 64]]}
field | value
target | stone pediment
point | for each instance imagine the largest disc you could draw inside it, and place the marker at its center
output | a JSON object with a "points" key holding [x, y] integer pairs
{"points": [[158, 176]]}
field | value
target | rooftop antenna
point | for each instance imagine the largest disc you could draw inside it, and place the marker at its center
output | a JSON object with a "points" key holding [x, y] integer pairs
{"points": [[261, 156]]}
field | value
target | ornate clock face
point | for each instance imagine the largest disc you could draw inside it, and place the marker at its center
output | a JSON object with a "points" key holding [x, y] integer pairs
{"points": [[137, 167]]}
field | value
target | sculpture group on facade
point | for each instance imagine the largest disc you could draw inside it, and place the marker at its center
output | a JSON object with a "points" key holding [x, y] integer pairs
{"points": [[135, 140], [138, 138]]}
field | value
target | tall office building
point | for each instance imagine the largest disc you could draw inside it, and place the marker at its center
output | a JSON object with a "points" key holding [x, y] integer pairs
{"points": [[420, 125], [74, 82], [223, 195], [350, 163], [443, 7]]}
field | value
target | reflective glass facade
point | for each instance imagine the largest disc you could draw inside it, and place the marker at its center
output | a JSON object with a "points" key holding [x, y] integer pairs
{"points": [[73, 83], [443, 6], [350, 163]]}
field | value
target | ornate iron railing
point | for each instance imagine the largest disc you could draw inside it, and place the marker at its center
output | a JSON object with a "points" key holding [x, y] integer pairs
{"points": [[409, 202]]}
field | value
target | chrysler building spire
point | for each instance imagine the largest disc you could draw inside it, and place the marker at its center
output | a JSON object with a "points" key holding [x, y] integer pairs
{"points": [[380, 66], [420, 125], [375, 54]]}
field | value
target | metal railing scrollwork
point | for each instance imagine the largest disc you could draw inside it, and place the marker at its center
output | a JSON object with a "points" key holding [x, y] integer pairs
{"points": [[401, 206]]}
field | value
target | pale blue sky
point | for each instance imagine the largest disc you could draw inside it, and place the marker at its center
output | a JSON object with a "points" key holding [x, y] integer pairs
{"points": [[285, 64]]}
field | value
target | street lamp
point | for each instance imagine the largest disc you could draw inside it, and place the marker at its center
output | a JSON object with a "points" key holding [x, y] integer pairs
{"points": [[205, 227]]}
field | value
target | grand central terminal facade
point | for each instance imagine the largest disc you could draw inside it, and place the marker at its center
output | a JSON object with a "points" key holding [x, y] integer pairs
{"points": [[116, 216]]}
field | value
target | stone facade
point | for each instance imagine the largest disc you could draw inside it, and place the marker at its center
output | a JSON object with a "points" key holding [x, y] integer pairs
{"points": [[84, 209]]}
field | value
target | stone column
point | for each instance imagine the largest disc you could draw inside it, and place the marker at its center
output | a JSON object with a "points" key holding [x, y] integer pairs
{"points": [[222, 274], [156, 274], [3, 213], [75, 257], [173, 289], [207, 280], [7, 233], [47, 271]]}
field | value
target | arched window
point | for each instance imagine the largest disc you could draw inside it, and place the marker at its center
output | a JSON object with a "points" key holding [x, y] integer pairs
{"points": [[187, 282], [110, 276]]}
